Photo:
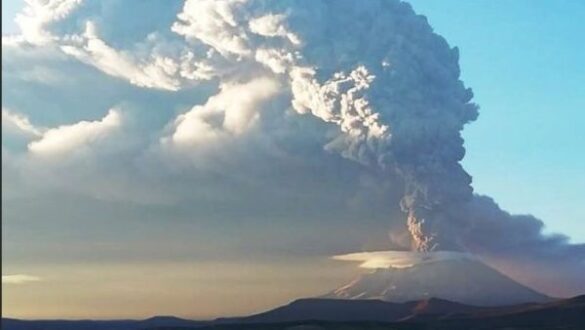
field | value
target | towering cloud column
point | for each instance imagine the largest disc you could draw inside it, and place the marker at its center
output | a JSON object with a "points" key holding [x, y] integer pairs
{"points": [[374, 69], [392, 85]]}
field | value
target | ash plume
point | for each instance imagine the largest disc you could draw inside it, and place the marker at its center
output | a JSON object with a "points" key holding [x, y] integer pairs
{"points": [[376, 70], [384, 78], [373, 71]]}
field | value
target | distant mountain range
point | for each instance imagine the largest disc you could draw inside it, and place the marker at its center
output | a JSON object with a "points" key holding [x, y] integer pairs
{"points": [[316, 314], [151, 323]]}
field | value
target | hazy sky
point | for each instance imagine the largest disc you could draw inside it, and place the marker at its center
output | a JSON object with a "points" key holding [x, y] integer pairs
{"points": [[103, 215]]}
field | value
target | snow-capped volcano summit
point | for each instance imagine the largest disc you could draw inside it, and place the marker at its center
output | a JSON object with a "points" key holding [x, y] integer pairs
{"points": [[410, 276]]}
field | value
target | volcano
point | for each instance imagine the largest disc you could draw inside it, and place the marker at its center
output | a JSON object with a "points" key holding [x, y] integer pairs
{"points": [[451, 276]]}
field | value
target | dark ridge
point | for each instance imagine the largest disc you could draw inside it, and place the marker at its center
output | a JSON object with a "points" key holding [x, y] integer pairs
{"points": [[325, 314]]}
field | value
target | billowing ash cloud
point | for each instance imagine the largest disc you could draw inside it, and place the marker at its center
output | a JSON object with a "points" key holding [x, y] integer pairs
{"points": [[377, 85], [388, 82]]}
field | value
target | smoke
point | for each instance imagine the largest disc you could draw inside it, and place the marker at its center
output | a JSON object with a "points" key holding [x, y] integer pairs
{"points": [[388, 82], [375, 71]]}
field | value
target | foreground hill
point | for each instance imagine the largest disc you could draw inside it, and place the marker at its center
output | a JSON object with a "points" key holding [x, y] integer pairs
{"points": [[325, 314], [356, 310], [433, 313]]}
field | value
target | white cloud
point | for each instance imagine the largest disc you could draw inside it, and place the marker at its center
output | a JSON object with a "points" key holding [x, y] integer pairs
{"points": [[39, 14], [18, 124], [277, 60], [154, 62], [156, 72], [19, 279], [231, 112], [399, 259], [215, 24], [273, 26], [63, 139]]}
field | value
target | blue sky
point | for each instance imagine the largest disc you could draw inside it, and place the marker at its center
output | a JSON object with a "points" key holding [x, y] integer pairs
{"points": [[9, 10], [524, 61]]}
